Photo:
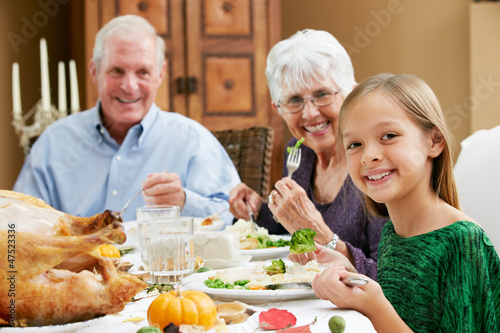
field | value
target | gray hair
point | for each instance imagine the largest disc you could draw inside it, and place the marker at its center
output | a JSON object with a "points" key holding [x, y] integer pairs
{"points": [[123, 25], [307, 56]]}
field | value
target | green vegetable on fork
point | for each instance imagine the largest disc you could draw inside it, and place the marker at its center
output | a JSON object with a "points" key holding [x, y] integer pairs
{"points": [[303, 241], [297, 145]]}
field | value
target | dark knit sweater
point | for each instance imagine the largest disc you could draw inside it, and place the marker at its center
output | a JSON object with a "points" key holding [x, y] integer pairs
{"points": [[447, 280], [346, 216]]}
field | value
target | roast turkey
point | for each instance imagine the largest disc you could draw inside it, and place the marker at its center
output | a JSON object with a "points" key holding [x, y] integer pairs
{"points": [[49, 273]]}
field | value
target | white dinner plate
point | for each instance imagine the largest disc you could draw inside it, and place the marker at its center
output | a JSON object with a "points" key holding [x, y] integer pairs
{"points": [[197, 282], [132, 231], [226, 263], [66, 328], [269, 253], [215, 226]]}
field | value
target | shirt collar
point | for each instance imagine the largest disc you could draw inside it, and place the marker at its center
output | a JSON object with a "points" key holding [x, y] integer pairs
{"points": [[145, 125]]}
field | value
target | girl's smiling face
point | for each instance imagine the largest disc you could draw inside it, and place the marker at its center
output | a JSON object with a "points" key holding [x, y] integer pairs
{"points": [[387, 152]]}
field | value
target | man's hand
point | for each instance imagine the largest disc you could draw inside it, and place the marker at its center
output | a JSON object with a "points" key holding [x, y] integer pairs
{"points": [[164, 188]]}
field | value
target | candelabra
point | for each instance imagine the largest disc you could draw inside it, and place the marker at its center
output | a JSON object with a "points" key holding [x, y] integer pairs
{"points": [[41, 119], [43, 113]]}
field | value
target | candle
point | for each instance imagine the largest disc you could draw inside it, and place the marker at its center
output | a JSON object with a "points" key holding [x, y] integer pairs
{"points": [[44, 66], [73, 85], [62, 105], [16, 91]]}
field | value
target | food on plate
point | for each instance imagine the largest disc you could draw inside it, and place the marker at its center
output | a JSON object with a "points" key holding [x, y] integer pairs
{"points": [[234, 312], [108, 250], [149, 329], [160, 287], [126, 249], [252, 236], [56, 267], [208, 221], [257, 278], [188, 307], [249, 243], [203, 269], [302, 241], [276, 267], [211, 219], [216, 245]]}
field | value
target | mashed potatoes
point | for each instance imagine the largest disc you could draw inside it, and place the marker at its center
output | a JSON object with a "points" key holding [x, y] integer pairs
{"points": [[244, 229]]}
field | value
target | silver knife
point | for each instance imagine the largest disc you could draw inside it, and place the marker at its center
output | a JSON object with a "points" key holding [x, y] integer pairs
{"points": [[350, 281], [252, 217]]}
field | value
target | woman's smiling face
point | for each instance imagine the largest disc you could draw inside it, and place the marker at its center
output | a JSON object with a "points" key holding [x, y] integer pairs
{"points": [[318, 125], [387, 152]]}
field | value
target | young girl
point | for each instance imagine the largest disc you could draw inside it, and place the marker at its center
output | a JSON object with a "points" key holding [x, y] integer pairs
{"points": [[437, 269]]}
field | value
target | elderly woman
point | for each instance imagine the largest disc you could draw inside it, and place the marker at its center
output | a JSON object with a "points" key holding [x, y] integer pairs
{"points": [[309, 75]]}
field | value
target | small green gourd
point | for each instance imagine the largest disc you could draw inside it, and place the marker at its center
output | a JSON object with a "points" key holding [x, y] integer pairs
{"points": [[336, 324]]}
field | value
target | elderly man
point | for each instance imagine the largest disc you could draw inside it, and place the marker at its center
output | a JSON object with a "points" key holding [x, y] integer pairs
{"points": [[97, 159]]}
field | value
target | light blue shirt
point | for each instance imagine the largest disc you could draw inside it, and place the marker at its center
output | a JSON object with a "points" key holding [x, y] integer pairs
{"points": [[76, 167]]}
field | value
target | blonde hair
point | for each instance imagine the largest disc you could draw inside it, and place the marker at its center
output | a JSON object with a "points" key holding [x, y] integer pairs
{"points": [[418, 100]]}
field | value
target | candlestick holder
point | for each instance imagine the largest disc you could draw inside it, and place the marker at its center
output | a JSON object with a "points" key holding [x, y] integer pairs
{"points": [[40, 120]]}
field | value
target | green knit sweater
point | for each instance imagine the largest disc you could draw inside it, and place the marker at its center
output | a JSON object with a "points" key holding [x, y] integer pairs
{"points": [[447, 280]]}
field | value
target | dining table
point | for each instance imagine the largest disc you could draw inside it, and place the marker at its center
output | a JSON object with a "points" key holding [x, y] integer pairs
{"points": [[308, 310]]}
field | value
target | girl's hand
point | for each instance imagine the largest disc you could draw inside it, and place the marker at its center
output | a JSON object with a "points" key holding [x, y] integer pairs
{"points": [[328, 285], [294, 210], [239, 196], [368, 299], [325, 257]]}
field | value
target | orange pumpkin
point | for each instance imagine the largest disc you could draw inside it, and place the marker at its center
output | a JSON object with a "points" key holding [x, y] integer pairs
{"points": [[108, 250], [192, 308]]}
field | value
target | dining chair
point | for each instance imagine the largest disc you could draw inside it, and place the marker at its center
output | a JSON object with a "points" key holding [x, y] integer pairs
{"points": [[478, 185], [250, 149]]}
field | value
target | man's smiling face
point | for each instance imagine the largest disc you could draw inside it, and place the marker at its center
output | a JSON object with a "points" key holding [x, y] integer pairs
{"points": [[127, 79]]}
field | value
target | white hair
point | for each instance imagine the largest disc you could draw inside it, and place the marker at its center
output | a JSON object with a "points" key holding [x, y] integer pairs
{"points": [[123, 25], [307, 56]]}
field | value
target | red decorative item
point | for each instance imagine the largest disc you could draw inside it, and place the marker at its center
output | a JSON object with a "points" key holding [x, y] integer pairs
{"points": [[298, 329], [276, 319]]}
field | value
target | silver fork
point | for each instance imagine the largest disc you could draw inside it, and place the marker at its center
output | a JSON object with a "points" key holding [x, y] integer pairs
{"points": [[119, 215], [293, 161]]}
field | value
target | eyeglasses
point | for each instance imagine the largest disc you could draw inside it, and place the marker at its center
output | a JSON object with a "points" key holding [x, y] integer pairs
{"points": [[297, 103]]}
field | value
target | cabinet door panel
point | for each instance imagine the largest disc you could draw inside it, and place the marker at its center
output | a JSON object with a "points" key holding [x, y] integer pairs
{"points": [[222, 55], [221, 45], [228, 85], [167, 18], [226, 17], [154, 11]]}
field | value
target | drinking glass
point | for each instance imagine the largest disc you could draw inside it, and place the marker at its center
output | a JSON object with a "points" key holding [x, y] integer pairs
{"points": [[150, 214], [169, 246]]}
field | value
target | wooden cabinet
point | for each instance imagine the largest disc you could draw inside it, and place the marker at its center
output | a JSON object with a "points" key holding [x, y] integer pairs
{"points": [[216, 56]]}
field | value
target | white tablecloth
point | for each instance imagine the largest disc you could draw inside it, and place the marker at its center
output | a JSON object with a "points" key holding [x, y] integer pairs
{"points": [[305, 311]]}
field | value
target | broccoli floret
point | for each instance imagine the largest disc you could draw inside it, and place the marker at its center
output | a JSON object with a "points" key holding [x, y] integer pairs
{"points": [[276, 267], [303, 241], [264, 241]]}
